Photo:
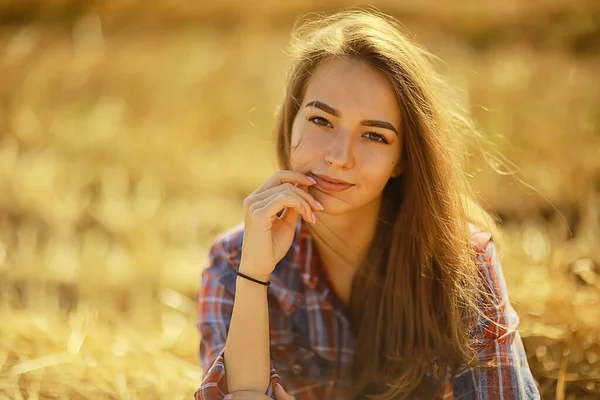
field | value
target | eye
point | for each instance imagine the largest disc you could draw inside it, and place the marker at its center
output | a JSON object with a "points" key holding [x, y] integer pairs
{"points": [[378, 137], [319, 120]]}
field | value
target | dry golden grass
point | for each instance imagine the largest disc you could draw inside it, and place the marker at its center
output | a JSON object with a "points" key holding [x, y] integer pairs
{"points": [[123, 152]]}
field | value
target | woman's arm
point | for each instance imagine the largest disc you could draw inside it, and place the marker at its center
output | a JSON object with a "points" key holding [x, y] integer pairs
{"points": [[271, 215], [267, 236], [215, 309], [247, 355]]}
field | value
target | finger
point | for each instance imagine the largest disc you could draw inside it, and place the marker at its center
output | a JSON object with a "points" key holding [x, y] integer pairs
{"points": [[310, 198], [282, 200], [290, 217], [286, 176], [280, 393], [303, 187], [314, 204], [259, 200], [270, 206]]}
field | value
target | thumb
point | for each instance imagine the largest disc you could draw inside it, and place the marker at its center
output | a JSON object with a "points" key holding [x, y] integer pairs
{"points": [[280, 393]]}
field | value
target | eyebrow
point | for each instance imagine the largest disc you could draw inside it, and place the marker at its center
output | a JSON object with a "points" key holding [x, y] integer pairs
{"points": [[365, 122]]}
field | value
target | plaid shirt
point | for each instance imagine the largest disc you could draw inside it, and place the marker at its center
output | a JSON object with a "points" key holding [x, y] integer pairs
{"points": [[310, 337]]}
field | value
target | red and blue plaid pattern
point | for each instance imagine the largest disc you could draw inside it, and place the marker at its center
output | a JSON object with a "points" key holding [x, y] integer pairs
{"points": [[311, 340]]}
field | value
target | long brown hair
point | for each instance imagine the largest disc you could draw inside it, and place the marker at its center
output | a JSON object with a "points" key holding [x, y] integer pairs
{"points": [[416, 296]]}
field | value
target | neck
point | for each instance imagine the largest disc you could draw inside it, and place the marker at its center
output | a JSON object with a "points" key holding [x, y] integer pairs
{"points": [[345, 237]]}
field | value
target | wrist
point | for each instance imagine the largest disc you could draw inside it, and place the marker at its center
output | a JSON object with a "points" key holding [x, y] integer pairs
{"points": [[244, 269]]}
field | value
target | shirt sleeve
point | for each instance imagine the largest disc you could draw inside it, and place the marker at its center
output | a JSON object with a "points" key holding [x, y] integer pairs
{"points": [[510, 377], [215, 306]]}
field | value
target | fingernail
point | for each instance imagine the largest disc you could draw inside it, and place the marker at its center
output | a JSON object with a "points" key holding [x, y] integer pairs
{"points": [[310, 178], [314, 218], [302, 208], [228, 397], [319, 205]]}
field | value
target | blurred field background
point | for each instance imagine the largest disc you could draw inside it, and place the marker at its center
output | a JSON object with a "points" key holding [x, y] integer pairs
{"points": [[130, 133]]}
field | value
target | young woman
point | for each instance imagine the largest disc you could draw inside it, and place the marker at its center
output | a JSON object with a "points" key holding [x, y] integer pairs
{"points": [[362, 269]]}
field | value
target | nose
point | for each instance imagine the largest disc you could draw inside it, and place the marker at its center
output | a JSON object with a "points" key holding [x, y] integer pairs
{"points": [[339, 152]]}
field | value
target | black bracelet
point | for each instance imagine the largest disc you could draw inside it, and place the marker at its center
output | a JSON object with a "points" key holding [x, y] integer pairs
{"points": [[252, 279]]}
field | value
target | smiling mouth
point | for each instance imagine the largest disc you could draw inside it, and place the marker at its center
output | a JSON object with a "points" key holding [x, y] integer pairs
{"points": [[329, 186]]}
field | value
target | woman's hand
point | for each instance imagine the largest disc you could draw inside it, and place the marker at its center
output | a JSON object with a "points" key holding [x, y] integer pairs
{"points": [[280, 394], [267, 237]]}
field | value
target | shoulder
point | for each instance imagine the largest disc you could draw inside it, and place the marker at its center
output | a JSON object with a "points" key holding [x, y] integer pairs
{"points": [[489, 267], [487, 260], [478, 236], [227, 246], [482, 243], [500, 319], [224, 258]]}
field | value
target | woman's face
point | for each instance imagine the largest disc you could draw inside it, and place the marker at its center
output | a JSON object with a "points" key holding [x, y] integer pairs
{"points": [[348, 128]]}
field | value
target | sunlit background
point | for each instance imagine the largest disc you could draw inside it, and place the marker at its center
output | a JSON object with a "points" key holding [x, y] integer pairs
{"points": [[131, 131]]}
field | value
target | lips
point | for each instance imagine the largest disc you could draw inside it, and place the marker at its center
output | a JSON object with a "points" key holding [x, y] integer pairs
{"points": [[330, 184]]}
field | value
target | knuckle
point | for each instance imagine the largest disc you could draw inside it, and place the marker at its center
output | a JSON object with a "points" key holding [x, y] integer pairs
{"points": [[295, 194], [302, 192], [247, 202], [295, 189], [282, 196], [306, 196]]}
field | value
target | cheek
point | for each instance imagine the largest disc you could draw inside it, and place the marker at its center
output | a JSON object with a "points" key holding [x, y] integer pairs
{"points": [[296, 147], [296, 133], [376, 165], [306, 144]]}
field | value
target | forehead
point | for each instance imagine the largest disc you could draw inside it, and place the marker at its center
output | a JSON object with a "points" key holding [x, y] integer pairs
{"points": [[354, 88]]}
